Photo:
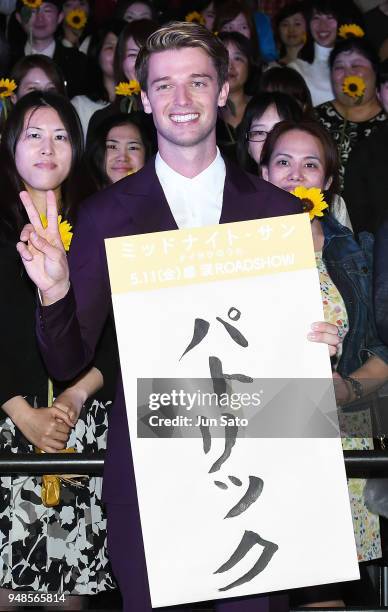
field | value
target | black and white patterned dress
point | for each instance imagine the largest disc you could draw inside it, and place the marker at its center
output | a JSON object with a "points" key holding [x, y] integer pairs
{"points": [[346, 134], [60, 549]]}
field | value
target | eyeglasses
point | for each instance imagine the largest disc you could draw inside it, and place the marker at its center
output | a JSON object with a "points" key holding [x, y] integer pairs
{"points": [[257, 135]]}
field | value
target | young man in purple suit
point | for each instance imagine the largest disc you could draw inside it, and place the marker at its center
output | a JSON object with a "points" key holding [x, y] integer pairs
{"points": [[183, 72]]}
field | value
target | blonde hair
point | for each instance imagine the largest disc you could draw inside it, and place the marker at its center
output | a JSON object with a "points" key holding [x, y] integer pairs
{"points": [[182, 35]]}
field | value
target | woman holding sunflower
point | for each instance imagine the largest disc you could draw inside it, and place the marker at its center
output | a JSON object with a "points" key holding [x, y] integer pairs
{"points": [[100, 80], [355, 111], [75, 24], [127, 91], [53, 535], [302, 158]]}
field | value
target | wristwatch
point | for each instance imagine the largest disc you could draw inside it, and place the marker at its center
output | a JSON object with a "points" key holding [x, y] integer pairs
{"points": [[356, 386]]}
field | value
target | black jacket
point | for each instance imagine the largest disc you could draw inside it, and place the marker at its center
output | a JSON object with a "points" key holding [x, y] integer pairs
{"points": [[366, 182], [72, 64]]}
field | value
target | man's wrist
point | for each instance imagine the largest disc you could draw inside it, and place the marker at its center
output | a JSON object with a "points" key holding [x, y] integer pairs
{"points": [[51, 296]]}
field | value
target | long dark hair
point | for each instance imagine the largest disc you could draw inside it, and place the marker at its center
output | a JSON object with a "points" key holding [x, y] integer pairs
{"points": [[123, 6], [322, 7], [315, 129], [88, 29], [95, 79], [13, 216], [245, 46], [343, 12], [138, 30], [228, 11], [287, 11], [94, 158], [46, 64], [288, 81], [287, 109]]}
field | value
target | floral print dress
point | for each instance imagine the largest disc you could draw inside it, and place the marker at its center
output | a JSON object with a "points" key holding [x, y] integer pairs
{"points": [[63, 548], [366, 525]]}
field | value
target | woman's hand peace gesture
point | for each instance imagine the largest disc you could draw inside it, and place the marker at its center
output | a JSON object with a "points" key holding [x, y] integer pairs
{"points": [[42, 251]]}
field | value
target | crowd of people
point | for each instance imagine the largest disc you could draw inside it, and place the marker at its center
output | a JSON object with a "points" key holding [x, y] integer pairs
{"points": [[105, 102]]}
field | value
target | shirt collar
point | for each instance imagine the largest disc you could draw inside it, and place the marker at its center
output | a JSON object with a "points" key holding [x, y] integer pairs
{"points": [[66, 43], [165, 172], [48, 51]]}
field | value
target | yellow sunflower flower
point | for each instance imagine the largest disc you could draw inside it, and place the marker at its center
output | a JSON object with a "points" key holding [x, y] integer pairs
{"points": [[312, 200], [354, 86], [32, 4], [195, 17], [76, 19], [128, 88], [351, 29], [7, 87], [64, 230]]}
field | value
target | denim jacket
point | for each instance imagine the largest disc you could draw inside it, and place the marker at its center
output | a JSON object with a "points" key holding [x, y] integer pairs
{"points": [[381, 280], [350, 266]]}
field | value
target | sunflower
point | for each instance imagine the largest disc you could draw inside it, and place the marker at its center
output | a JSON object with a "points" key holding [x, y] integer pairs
{"points": [[64, 230], [128, 89], [354, 86], [312, 200], [32, 4], [76, 19], [351, 29], [7, 87], [195, 17]]}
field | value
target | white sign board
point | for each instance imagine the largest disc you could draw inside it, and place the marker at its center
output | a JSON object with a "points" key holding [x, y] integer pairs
{"points": [[224, 518]]}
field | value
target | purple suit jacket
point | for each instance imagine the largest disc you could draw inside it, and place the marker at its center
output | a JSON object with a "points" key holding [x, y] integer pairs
{"points": [[69, 329]]}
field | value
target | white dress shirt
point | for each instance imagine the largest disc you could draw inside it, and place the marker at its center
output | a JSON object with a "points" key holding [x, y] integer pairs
{"points": [[194, 202], [316, 75], [48, 51], [84, 46], [86, 108]]}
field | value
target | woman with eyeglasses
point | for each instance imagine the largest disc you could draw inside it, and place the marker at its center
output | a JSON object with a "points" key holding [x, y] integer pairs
{"points": [[262, 114]]}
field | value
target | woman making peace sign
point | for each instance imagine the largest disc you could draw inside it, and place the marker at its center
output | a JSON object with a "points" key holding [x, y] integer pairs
{"points": [[60, 548]]}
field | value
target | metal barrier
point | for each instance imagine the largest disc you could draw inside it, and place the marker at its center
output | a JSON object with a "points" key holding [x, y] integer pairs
{"points": [[88, 464], [358, 464]]}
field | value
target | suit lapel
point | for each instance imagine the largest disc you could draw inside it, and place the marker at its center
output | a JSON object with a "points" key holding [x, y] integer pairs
{"points": [[144, 197], [241, 199]]}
